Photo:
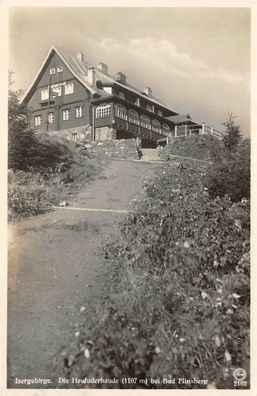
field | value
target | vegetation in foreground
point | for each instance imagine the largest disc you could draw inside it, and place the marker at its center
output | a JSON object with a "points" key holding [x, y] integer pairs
{"points": [[43, 170], [177, 298], [36, 189]]}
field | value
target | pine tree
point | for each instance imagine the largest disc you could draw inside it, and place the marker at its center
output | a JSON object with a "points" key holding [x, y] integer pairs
{"points": [[232, 136]]}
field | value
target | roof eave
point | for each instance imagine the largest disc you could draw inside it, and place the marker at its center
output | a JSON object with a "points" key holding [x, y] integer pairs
{"points": [[41, 69]]}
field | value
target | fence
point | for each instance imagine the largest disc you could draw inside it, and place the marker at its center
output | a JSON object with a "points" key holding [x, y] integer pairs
{"points": [[189, 130]]}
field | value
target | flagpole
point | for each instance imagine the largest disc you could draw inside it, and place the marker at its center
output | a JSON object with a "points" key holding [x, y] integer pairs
{"points": [[48, 106]]}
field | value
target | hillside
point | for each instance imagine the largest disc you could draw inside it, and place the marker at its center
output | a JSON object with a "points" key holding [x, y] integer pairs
{"points": [[197, 146]]}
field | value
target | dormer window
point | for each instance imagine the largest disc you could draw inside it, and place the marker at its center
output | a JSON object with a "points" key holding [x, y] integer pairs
{"points": [[121, 95], [137, 102], [148, 108], [159, 113], [59, 69], [152, 110], [52, 71]]}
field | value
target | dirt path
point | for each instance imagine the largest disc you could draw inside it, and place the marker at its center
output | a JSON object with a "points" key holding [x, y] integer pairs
{"points": [[55, 268]]}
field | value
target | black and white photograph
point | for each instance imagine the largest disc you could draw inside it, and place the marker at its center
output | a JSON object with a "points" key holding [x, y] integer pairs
{"points": [[129, 151]]}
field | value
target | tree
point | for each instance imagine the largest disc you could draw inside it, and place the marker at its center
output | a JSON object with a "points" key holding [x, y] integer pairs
{"points": [[26, 151], [230, 170], [22, 144], [232, 135]]}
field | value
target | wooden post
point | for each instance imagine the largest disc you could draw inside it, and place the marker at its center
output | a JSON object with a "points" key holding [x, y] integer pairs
{"points": [[203, 131], [93, 122], [211, 130], [190, 132], [176, 130], [185, 129]]}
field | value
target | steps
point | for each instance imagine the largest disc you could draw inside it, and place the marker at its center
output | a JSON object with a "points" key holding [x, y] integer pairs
{"points": [[150, 154], [119, 149]]}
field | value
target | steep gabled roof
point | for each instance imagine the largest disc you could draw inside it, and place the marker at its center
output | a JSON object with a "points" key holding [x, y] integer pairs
{"points": [[182, 119], [78, 68]]}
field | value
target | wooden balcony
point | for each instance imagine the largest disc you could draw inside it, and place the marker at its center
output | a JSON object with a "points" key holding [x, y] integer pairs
{"points": [[137, 130]]}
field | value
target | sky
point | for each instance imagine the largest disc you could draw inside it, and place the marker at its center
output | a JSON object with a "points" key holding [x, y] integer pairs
{"points": [[196, 60]]}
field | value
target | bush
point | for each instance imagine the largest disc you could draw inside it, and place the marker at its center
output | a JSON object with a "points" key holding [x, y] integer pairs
{"points": [[230, 174], [28, 194], [59, 171], [178, 292]]}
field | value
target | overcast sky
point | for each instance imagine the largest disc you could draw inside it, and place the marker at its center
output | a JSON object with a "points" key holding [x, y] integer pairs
{"points": [[196, 60]]}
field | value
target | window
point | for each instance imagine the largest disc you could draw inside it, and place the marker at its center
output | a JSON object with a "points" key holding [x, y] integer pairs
{"points": [[103, 111], [56, 90], [108, 90], [121, 95], [44, 94], [165, 129], [38, 120], [51, 118], [59, 69], [152, 109], [68, 89], [148, 107], [121, 112], [156, 126], [52, 71], [133, 117], [159, 112], [75, 136], [145, 122], [79, 112], [66, 115], [137, 102]]}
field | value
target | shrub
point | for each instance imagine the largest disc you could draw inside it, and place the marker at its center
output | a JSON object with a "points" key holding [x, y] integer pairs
{"points": [[57, 175], [177, 300], [28, 194], [230, 174]]}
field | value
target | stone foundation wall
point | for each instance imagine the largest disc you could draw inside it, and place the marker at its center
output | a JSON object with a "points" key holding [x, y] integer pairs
{"points": [[120, 149], [82, 134], [105, 133]]}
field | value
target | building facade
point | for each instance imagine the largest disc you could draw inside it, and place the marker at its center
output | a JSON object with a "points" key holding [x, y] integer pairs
{"points": [[72, 98]]}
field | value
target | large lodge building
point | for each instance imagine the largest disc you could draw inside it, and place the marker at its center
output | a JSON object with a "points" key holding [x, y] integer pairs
{"points": [[72, 98]]}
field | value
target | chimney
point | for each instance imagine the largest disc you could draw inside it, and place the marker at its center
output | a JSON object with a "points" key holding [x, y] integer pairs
{"points": [[103, 68], [148, 91], [81, 56], [121, 77], [91, 75]]}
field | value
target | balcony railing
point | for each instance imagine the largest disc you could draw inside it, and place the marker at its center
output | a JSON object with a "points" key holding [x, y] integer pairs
{"points": [[188, 130], [140, 129]]}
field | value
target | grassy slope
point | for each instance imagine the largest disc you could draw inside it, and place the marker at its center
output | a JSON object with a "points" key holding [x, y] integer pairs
{"points": [[197, 147], [34, 191]]}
